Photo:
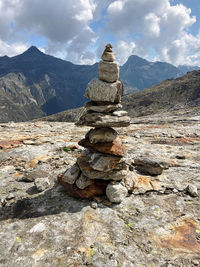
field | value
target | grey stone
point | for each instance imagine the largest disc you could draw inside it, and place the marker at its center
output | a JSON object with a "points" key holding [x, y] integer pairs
{"points": [[192, 190], [120, 113], [100, 135], [150, 166], [102, 106], [98, 90], [94, 205], [42, 184], [116, 192], [105, 163], [108, 71], [108, 56], [82, 182], [10, 196], [103, 120], [88, 171], [71, 174]]}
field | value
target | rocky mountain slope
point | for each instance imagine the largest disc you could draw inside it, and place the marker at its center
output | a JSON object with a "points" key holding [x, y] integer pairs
{"points": [[172, 94], [169, 95], [34, 84], [157, 225]]}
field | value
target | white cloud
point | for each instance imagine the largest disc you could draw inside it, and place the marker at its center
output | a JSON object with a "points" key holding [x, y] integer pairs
{"points": [[136, 26], [157, 25], [13, 49], [123, 50]]}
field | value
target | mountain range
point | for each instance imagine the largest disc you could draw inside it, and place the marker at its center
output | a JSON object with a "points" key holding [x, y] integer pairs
{"points": [[34, 84]]}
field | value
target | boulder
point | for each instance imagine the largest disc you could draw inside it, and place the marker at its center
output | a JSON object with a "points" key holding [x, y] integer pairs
{"points": [[112, 148], [98, 90], [116, 192], [108, 71], [150, 166], [101, 135], [71, 174], [102, 106], [94, 119]]}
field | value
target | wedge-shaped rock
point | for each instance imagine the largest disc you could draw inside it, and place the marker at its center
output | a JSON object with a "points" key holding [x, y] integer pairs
{"points": [[105, 163], [71, 174], [102, 106], [82, 182], [108, 71], [112, 148], [98, 90], [101, 135], [88, 171], [103, 120]]}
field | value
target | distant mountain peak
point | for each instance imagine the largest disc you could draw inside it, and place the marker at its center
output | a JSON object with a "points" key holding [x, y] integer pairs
{"points": [[133, 59], [33, 50]]}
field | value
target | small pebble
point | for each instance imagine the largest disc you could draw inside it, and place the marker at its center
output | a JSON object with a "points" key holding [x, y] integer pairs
{"points": [[94, 205], [192, 190], [10, 196]]}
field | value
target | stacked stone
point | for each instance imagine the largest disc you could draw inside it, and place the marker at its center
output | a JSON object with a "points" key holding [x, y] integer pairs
{"points": [[101, 168]]}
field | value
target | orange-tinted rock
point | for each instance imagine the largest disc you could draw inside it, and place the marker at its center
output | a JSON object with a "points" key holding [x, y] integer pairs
{"points": [[96, 188], [113, 148]]}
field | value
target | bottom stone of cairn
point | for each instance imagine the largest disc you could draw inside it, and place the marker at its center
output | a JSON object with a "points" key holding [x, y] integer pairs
{"points": [[97, 174]]}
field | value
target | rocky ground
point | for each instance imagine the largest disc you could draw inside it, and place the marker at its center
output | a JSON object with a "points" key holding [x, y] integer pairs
{"points": [[157, 225]]}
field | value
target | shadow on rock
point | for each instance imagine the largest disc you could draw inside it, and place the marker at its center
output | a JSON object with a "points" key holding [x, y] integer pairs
{"points": [[52, 201]]}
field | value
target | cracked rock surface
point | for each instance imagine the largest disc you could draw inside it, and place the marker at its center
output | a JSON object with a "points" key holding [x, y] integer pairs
{"points": [[157, 225]]}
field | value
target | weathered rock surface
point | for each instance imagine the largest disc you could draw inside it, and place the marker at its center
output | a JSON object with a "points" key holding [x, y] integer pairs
{"points": [[96, 188], [116, 192], [94, 119], [113, 148], [101, 135], [113, 174], [98, 90], [105, 163], [42, 183], [108, 55], [82, 182], [157, 225], [108, 71], [102, 106], [150, 166], [71, 174]]}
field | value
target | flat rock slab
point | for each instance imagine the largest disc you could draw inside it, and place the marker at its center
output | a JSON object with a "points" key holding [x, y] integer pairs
{"points": [[112, 148], [91, 173], [98, 90], [103, 120], [102, 106], [151, 227], [96, 188]]}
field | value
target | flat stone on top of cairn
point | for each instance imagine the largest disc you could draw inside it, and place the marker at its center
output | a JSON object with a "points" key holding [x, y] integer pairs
{"points": [[101, 165]]}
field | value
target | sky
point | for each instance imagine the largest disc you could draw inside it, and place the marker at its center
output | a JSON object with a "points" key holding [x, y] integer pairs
{"points": [[77, 30]]}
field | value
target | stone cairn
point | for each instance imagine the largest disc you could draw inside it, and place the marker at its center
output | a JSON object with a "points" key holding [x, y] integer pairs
{"points": [[101, 168]]}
